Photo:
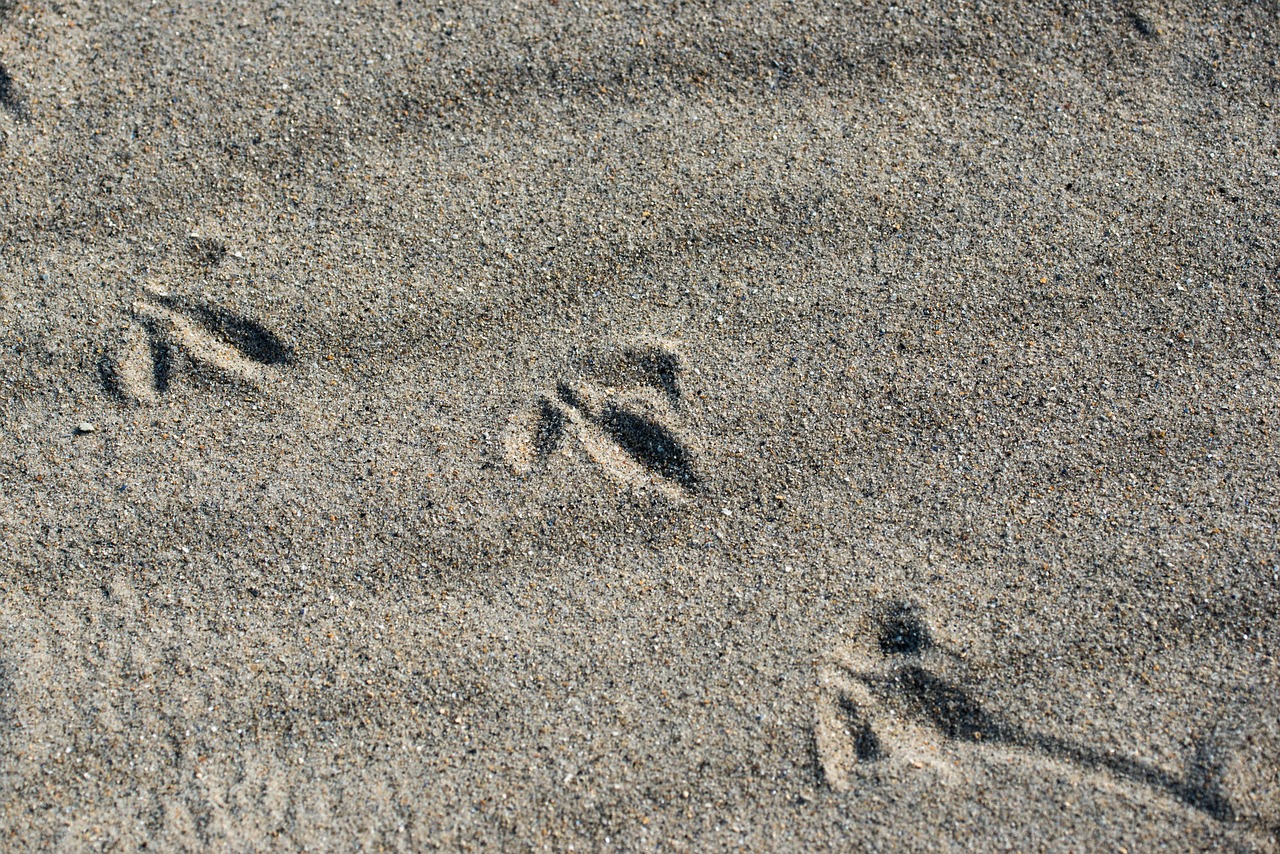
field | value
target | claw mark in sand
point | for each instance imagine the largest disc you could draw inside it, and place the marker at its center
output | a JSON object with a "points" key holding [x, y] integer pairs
{"points": [[626, 419], [890, 701], [208, 338]]}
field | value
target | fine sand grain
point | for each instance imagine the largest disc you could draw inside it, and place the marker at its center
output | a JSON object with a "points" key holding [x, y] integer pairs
{"points": [[614, 426]]}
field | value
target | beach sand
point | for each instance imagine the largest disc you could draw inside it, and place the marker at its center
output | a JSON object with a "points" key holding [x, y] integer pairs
{"points": [[619, 426]]}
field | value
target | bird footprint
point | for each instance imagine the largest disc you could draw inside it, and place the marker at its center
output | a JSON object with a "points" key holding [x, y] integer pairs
{"points": [[632, 432], [167, 331], [898, 700]]}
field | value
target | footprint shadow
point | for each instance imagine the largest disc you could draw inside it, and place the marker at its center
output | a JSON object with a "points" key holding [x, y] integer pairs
{"points": [[161, 363], [645, 364], [254, 340], [550, 430], [652, 444], [10, 101]]}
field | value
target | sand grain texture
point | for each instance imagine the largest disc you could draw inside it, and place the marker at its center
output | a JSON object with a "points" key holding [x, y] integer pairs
{"points": [[704, 426]]}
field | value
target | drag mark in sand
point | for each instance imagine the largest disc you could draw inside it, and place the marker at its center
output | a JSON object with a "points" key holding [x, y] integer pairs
{"points": [[209, 338], [626, 419], [890, 703]]}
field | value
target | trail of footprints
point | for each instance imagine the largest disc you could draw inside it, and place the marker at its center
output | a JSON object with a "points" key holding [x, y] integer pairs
{"points": [[627, 419], [889, 702], [892, 703]]}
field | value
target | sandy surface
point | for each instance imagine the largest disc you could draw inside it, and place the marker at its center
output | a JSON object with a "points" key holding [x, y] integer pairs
{"points": [[689, 426]]}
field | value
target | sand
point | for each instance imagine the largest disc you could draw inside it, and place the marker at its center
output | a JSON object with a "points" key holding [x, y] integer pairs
{"points": [[608, 426]]}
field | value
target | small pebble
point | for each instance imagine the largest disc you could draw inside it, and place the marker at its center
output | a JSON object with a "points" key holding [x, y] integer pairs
{"points": [[86, 427]]}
